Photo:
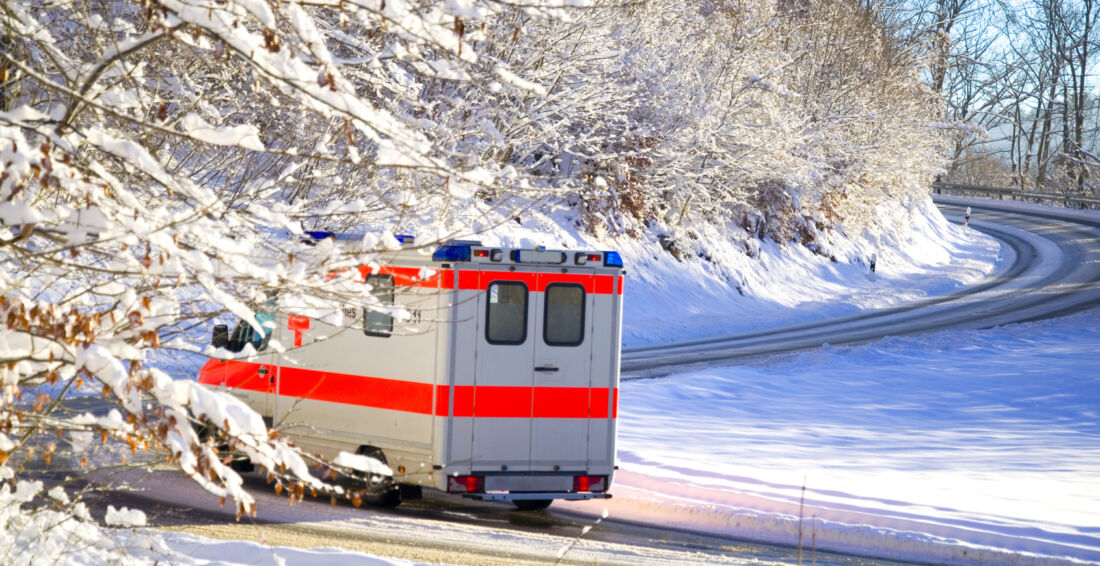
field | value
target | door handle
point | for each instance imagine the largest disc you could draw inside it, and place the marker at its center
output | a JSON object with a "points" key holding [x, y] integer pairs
{"points": [[546, 368]]}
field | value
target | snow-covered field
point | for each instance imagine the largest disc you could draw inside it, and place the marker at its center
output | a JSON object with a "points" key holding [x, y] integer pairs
{"points": [[953, 447]]}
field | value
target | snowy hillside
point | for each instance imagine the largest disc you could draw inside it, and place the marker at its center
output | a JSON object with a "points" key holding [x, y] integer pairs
{"points": [[919, 254]]}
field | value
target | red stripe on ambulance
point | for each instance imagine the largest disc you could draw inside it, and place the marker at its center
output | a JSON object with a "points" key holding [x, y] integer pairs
{"points": [[537, 282], [413, 276], [416, 397], [517, 380], [360, 390]]}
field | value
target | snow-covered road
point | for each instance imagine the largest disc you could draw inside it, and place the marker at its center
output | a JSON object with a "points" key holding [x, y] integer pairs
{"points": [[1051, 267], [440, 528]]}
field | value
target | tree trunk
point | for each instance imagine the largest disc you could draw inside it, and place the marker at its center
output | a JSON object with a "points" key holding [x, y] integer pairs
{"points": [[1081, 96], [7, 75]]}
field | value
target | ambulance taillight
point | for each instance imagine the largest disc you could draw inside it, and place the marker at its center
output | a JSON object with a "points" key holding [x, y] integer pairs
{"points": [[589, 483], [583, 258], [465, 484]]}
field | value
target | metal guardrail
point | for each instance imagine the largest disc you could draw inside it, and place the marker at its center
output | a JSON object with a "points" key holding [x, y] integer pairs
{"points": [[1070, 201]]}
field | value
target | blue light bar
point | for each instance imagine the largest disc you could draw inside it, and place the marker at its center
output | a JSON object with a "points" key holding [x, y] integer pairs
{"points": [[612, 259], [452, 252], [350, 237], [320, 234]]}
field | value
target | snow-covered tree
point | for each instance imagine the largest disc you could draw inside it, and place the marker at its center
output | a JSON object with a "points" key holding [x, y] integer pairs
{"points": [[159, 164], [161, 160], [761, 118]]}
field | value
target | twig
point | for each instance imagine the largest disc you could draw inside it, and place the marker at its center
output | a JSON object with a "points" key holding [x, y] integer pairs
{"points": [[565, 549], [801, 506]]}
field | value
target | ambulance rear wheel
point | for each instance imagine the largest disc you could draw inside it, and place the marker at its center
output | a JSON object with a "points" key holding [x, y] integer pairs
{"points": [[532, 504], [388, 499], [391, 494], [207, 431]]}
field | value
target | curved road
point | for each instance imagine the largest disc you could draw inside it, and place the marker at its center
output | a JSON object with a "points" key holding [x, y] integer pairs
{"points": [[1051, 267]]}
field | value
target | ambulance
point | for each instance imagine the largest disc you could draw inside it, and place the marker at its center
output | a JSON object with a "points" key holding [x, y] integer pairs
{"points": [[502, 386]]}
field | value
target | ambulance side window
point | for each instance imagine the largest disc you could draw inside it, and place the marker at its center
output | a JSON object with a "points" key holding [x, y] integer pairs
{"points": [[563, 323], [507, 313], [379, 323], [243, 334]]}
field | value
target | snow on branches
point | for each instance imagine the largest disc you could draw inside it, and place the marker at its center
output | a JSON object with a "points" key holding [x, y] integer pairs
{"points": [[159, 164], [755, 115], [161, 160]]}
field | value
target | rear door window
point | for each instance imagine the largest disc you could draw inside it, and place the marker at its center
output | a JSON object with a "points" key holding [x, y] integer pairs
{"points": [[563, 322], [506, 319]]}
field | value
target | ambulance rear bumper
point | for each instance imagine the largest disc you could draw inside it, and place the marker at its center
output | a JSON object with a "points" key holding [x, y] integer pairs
{"points": [[526, 495]]}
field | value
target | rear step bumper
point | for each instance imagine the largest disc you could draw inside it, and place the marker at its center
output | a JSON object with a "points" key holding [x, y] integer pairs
{"points": [[526, 495]]}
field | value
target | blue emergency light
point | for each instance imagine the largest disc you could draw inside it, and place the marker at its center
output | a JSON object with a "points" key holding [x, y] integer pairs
{"points": [[350, 237], [452, 252], [612, 259]]}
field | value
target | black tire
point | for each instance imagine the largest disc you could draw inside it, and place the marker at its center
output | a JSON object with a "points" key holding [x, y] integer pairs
{"points": [[532, 504], [242, 464], [389, 498], [239, 463]]}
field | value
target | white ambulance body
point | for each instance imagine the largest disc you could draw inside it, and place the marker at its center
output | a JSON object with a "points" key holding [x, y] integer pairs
{"points": [[504, 386]]}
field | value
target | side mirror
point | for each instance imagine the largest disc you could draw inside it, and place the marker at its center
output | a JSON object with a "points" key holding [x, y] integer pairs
{"points": [[220, 339]]}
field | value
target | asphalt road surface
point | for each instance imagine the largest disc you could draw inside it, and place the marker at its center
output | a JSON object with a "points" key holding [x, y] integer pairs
{"points": [[1052, 269]]}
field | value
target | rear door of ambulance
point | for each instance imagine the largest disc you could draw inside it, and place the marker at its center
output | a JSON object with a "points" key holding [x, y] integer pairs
{"points": [[562, 389], [532, 374]]}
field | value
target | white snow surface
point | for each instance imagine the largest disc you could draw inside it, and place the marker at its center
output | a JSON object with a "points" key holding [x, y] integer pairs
{"points": [[667, 300], [958, 447], [124, 517]]}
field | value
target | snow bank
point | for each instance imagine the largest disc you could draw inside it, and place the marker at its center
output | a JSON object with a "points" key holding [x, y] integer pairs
{"points": [[201, 551], [46, 536], [923, 256], [41, 535]]}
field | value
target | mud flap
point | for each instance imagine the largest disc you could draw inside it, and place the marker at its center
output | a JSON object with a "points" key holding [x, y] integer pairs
{"points": [[410, 491]]}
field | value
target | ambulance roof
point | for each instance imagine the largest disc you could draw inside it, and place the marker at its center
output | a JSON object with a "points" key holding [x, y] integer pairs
{"points": [[473, 251]]}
